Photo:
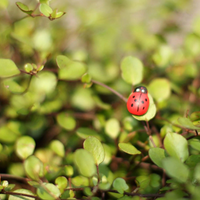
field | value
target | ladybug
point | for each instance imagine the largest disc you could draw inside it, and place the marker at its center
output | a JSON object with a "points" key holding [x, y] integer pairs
{"points": [[138, 101]]}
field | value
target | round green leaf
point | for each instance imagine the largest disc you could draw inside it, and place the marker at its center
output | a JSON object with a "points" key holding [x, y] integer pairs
{"points": [[66, 121], [44, 83], [13, 86], [157, 155], [69, 70], [86, 96], [176, 169], [185, 122], [112, 128], [6, 130], [48, 191], [61, 183], [94, 146], [33, 167], [120, 185], [176, 146], [84, 133], [162, 56], [45, 9], [150, 114], [128, 148], [84, 162], [21, 197], [68, 170], [25, 146], [160, 89], [58, 147], [132, 70], [195, 144], [28, 67], [8, 68]]}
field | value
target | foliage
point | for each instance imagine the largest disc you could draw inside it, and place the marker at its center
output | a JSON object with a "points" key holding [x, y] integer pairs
{"points": [[66, 71]]}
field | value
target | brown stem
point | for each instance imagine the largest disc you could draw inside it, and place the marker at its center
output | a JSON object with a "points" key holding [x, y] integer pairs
{"points": [[18, 194], [112, 90]]}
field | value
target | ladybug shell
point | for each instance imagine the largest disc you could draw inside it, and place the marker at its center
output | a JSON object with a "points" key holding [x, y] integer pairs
{"points": [[138, 101]]}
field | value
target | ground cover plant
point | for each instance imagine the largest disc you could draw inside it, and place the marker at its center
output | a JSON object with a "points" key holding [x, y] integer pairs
{"points": [[67, 70]]}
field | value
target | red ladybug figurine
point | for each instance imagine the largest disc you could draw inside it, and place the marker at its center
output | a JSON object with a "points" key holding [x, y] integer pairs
{"points": [[138, 101]]}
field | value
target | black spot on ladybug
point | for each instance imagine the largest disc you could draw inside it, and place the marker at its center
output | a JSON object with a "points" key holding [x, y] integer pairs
{"points": [[133, 96], [142, 101], [131, 105], [145, 99], [135, 100]]}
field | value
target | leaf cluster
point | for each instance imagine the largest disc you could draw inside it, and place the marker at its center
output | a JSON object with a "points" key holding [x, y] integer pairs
{"points": [[65, 132]]}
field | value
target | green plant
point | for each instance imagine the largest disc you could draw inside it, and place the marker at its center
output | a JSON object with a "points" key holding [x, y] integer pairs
{"points": [[65, 132]]}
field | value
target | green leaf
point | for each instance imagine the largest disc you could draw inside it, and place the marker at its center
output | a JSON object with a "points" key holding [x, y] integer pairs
{"points": [[129, 148], [132, 70], [101, 104], [150, 114], [86, 78], [176, 146], [28, 67], [66, 121], [24, 8], [120, 185], [160, 89], [56, 14], [59, 14], [185, 122], [86, 95], [21, 197], [44, 83], [33, 167], [94, 146], [176, 169], [84, 162], [5, 130], [86, 132], [58, 147], [192, 160], [8, 68], [68, 170], [61, 183], [162, 56], [45, 9], [195, 144], [13, 86], [25, 147], [48, 191], [45, 1], [157, 155], [3, 4], [69, 70], [197, 172], [112, 128], [195, 116]]}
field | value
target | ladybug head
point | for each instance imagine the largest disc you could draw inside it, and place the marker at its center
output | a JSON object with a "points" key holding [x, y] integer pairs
{"points": [[141, 89]]}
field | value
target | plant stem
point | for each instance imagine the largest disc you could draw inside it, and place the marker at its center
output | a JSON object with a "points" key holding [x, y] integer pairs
{"points": [[109, 88]]}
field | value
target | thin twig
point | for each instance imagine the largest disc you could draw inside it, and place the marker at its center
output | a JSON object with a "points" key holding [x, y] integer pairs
{"points": [[18, 194], [12, 177], [112, 90]]}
